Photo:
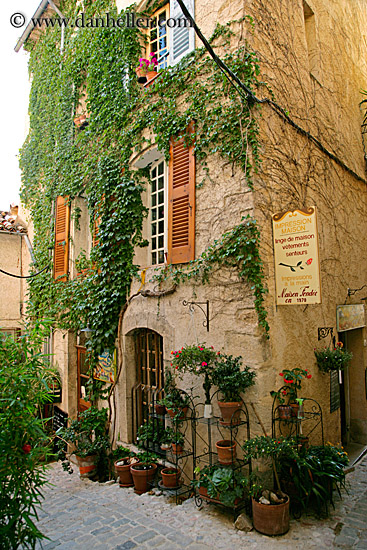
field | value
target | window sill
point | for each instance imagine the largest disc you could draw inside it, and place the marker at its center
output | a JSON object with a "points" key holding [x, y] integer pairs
{"points": [[147, 84]]}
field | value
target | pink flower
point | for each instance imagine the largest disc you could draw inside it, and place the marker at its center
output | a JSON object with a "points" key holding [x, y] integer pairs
{"points": [[201, 349], [212, 347], [203, 364]]}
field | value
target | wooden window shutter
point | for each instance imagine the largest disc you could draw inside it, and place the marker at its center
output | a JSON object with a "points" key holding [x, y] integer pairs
{"points": [[182, 36], [181, 202], [61, 252]]}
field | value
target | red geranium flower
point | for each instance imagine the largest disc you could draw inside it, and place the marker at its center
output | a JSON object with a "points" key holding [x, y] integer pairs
{"points": [[280, 374], [27, 448], [309, 376]]}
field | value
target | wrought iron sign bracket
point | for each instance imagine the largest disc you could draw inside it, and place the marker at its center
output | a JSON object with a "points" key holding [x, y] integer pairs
{"points": [[323, 332], [199, 304]]}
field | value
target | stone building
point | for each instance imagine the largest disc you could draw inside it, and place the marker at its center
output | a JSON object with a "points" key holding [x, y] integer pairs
{"points": [[16, 258], [313, 59]]}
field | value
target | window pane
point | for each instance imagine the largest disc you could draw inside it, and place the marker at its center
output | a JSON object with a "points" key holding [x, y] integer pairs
{"points": [[160, 241], [154, 173], [161, 182], [161, 257], [160, 197], [154, 185], [161, 211], [154, 200], [160, 227], [154, 243], [154, 214], [160, 168], [153, 35], [154, 228], [154, 257]]}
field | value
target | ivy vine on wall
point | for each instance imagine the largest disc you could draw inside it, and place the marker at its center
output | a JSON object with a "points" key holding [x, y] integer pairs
{"points": [[57, 159]]}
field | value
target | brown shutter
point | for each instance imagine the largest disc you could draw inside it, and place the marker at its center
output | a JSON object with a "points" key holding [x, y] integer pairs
{"points": [[181, 202], [61, 252]]}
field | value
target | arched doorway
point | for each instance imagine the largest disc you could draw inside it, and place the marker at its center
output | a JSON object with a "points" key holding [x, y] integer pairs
{"points": [[149, 374]]}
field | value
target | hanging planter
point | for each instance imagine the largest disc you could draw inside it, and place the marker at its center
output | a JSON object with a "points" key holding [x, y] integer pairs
{"points": [[331, 359]]}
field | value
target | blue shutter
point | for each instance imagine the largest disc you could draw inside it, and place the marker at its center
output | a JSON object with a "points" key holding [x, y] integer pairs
{"points": [[182, 36]]}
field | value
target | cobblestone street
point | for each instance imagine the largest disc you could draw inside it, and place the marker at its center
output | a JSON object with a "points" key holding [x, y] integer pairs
{"points": [[79, 514]]}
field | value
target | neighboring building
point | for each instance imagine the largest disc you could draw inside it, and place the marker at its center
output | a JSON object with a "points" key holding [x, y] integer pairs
{"points": [[313, 56], [15, 260]]}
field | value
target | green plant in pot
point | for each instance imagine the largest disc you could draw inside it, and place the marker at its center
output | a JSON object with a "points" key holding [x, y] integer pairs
{"points": [[333, 359], [200, 361], [232, 381], [149, 434], [222, 484], [175, 438], [175, 400], [270, 507], [293, 379], [143, 472], [89, 440]]}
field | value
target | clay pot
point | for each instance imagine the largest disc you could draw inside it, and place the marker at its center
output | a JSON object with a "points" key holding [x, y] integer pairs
{"points": [[285, 412], [270, 519], [150, 75], [294, 409], [160, 409], [171, 477], [122, 468], [141, 74], [143, 475], [177, 449], [230, 413], [226, 450], [174, 412], [87, 466]]}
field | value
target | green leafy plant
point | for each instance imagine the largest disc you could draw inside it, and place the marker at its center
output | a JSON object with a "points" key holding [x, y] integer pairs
{"points": [[293, 379], [173, 435], [174, 398], [87, 435], [24, 444], [331, 359], [230, 379], [198, 360], [224, 484]]}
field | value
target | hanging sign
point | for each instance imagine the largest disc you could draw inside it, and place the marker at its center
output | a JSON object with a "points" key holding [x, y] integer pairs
{"points": [[296, 252], [105, 369], [350, 317]]}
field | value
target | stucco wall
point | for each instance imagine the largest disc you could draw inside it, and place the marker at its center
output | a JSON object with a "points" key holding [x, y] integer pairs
{"points": [[294, 173]]}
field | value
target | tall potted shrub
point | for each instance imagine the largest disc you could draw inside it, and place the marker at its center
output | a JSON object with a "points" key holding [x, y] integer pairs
{"points": [[231, 380]]}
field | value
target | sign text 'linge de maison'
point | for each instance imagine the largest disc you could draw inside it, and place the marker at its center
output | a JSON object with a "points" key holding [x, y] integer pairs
{"points": [[296, 252]]}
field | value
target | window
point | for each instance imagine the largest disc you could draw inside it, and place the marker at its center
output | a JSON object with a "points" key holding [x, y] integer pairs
{"points": [[158, 230], [158, 37], [171, 36], [310, 30]]}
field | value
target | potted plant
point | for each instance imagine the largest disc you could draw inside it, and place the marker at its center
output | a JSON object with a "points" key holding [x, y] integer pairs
{"points": [[220, 484], [89, 439], [122, 468], [333, 359], [175, 438], [198, 360], [176, 401], [147, 68], [226, 450], [293, 379], [231, 381], [150, 434], [171, 477], [284, 411], [270, 508], [144, 471]]}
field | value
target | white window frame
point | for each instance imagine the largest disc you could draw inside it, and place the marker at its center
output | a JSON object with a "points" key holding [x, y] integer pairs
{"points": [[165, 213], [176, 13]]}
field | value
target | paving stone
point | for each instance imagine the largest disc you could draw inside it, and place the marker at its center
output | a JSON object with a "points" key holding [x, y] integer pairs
{"points": [[145, 536], [344, 541]]}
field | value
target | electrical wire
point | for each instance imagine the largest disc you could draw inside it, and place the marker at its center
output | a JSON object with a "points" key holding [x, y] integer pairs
{"points": [[24, 276], [252, 98]]}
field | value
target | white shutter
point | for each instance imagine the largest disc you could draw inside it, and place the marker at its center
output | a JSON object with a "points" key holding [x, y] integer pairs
{"points": [[181, 37]]}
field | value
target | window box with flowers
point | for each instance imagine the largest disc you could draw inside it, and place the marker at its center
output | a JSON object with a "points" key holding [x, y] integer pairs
{"points": [[147, 69], [333, 359]]}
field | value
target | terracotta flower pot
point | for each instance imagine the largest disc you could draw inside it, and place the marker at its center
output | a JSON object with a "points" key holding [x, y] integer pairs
{"points": [[87, 466], [270, 519], [171, 477], [294, 409], [143, 475], [122, 468], [230, 413], [285, 412], [141, 74], [174, 412], [177, 449], [150, 75], [160, 409], [226, 450]]}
